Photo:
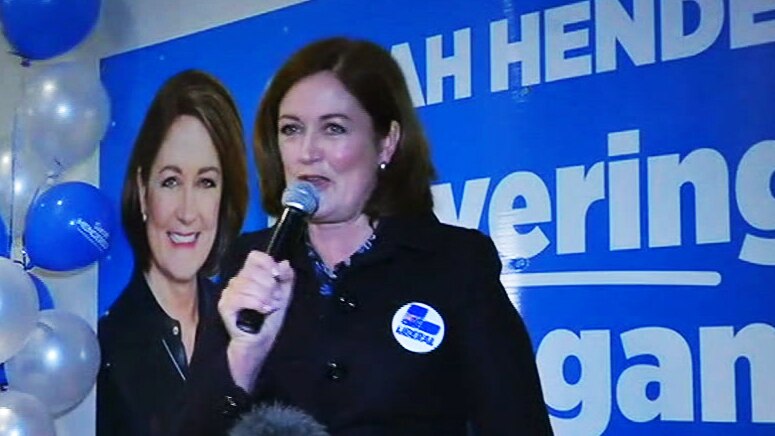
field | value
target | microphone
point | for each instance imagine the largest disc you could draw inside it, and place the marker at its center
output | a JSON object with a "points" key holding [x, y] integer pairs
{"points": [[300, 200], [277, 420]]}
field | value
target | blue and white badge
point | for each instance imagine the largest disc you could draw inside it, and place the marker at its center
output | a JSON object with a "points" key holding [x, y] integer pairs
{"points": [[418, 327]]}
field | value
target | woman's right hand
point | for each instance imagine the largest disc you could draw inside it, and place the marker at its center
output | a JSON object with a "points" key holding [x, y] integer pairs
{"points": [[265, 286]]}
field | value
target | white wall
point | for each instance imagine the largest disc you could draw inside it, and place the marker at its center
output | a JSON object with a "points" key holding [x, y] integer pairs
{"points": [[123, 25]]}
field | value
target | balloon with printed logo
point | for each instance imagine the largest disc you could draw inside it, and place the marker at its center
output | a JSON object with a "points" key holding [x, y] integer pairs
{"points": [[61, 382], [42, 29], [18, 308], [68, 227], [63, 114], [22, 414]]}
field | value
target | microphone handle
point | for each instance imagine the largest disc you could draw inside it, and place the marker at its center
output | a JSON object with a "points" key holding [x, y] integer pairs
{"points": [[287, 231]]}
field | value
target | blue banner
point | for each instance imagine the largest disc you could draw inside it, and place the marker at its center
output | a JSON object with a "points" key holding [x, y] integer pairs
{"points": [[621, 155]]}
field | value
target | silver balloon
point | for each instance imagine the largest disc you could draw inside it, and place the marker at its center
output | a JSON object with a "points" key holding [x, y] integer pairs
{"points": [[24, 415], [16, 193], [18, 308], [59, 362], [64, 113]]}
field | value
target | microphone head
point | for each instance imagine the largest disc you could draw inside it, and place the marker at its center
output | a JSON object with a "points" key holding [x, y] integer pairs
{"points": [[277, 420], [301, 195]]}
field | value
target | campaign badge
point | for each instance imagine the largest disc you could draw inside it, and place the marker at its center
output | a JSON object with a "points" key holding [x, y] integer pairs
{"points": [[418, 327]]}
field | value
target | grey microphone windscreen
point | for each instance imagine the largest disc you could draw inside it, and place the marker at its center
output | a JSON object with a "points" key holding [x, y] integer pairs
{"points": [[277, 420], [301, 195]]}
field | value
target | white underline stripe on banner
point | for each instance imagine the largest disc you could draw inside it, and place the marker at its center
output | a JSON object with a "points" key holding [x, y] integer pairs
{"points": [[584, 278]]}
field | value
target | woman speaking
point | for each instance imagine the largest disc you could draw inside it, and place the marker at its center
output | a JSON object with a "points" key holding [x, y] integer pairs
{"points": [[382, 321]]}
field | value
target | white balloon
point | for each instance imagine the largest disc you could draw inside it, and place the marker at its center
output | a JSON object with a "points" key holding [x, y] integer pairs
{"points": [[59, 362], [64, 114], [24, 415], [18, 308]]}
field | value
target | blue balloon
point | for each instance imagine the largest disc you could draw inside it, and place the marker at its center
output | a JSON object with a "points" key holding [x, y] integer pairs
{"points": [[68, 227], [42, 29], [45, 301], [5, 241]]}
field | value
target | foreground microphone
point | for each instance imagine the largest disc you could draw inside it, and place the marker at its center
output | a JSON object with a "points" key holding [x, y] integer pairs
{"points": [[300, 200], [277, 420]]}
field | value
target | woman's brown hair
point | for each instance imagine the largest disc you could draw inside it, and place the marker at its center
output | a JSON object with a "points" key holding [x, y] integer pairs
{"points": [[374, 78]]}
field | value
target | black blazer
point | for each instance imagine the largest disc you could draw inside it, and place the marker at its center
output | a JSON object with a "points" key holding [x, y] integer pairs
{"points": [[140, 385], [338, 358]]}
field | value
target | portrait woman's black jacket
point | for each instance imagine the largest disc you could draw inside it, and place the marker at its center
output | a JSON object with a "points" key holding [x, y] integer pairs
{"points": [[339, 359], [141, 382]]}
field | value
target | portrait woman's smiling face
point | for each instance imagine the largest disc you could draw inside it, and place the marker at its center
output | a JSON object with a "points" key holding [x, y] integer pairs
{"points": [[182, 200], [327, 138]]}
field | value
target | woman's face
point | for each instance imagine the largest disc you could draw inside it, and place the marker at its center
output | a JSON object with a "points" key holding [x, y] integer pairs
{"points": [[182, 200], [327, 138]]}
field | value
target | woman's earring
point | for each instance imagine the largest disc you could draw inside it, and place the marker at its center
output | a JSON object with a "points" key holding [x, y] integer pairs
{"points": [[145, 217], [382, 166]]}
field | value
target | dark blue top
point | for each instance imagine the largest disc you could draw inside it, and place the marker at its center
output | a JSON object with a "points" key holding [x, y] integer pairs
{"points": [[339, 358]]}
